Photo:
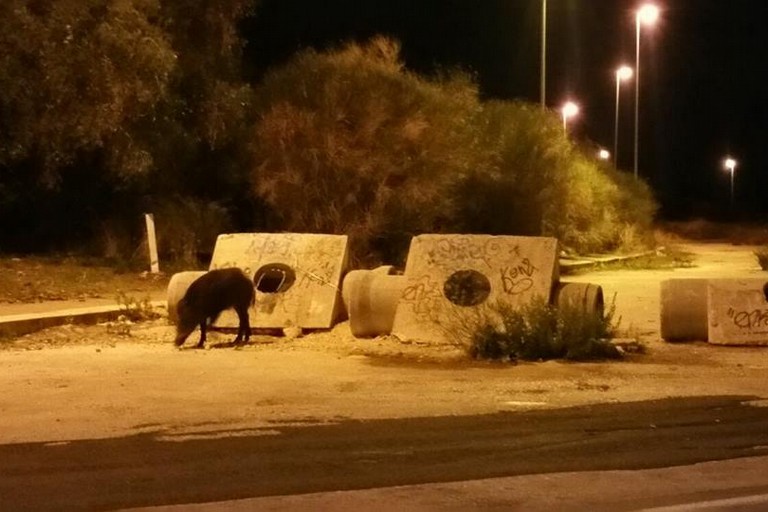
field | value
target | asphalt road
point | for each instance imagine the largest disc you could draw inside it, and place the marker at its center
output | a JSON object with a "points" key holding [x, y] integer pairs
{"points": [[152, 469]]}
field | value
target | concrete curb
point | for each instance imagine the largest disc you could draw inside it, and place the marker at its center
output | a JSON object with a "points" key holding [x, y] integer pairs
{"points": [[19, 325], [587, 263]]}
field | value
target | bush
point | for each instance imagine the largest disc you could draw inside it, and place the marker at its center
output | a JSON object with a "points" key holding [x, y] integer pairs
{"points": [[349, 142], [187, 229], [535, 181], [540, 331]]}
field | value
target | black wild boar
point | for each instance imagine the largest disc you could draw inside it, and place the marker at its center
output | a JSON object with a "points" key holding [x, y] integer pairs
{"points": [[208, 296]]}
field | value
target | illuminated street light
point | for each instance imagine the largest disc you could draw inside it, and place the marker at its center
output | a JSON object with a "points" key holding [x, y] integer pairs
{"points": [[646, 15], [604, 154], [622, 74], [730, 165], [570, 109]]}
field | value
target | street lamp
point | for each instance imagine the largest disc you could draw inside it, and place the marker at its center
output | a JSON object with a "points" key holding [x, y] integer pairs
{"points": [[543, 85], [570, 109], [646, 15], [622, 74], [730, 165], [603, 154]]}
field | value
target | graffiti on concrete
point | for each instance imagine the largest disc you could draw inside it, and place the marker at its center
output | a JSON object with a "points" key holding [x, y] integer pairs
{"points": [[518, 279], [755, 321], [466, 249]]}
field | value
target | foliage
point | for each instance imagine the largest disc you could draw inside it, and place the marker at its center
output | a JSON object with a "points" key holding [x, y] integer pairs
{"points": [[537, 182], [540, 331], [526, 153], [135, 310], [187, 229], [143, 97], [349, 142], [74, 76]]}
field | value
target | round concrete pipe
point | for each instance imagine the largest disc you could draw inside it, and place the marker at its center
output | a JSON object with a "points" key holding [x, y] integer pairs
{"points": [[371, 298], [585, 297], [356, 275], [684, 309], [177, 287]]}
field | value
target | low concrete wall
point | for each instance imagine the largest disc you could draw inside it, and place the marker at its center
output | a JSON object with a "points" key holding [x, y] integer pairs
{"points": [[19, 325]]}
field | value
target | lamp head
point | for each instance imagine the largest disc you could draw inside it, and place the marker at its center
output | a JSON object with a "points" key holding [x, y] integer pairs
{"points": [[648, 14]]}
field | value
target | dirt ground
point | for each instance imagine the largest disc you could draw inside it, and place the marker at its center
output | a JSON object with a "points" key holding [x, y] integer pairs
{"points": [[75, 382]]}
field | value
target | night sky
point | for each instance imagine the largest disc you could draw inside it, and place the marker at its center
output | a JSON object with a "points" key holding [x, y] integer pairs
{"points": [[704, 75]]}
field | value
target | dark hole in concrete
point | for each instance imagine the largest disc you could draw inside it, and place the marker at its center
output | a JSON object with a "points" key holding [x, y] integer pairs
{"points": [[765, 291], [467, 288], [274, 278]]}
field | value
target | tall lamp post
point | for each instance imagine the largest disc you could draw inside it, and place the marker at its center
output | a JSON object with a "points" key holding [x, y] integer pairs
{"points": [[730, 165], [569, 110], [622, 74], [543, 85], [646, 15]]}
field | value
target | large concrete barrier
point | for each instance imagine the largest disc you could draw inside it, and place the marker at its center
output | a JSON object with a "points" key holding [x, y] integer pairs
{"points": [[449, 278], [738, 311], [297, 277]]}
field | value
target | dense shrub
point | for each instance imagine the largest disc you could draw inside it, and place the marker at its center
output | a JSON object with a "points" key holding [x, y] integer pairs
{"points": [[540, 331], [349, 142], [187, 229], [540, 183]]}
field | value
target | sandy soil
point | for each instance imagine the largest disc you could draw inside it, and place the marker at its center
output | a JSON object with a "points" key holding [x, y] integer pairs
{"points": [[88, 382]]}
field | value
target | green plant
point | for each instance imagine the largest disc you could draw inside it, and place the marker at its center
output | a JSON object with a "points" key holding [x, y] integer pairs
{"points": [[541, 331], [135, 310], [762, 257]]}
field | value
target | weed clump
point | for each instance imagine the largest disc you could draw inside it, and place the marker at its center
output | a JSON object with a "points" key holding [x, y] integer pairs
{"points": [[541, 331], [135, 310]]}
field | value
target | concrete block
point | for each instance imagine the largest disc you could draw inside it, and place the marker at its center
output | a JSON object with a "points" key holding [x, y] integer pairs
{"points": [[297, 277], [450, 277], [683, 309], [738, 311]]}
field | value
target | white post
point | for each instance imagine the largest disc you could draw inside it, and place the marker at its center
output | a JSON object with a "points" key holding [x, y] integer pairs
{"points": [[543, 77], [154, 263]]}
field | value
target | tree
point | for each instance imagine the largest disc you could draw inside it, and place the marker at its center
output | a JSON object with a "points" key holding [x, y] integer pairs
{"points": [[143, 96], [75, 75], [347, 141]]}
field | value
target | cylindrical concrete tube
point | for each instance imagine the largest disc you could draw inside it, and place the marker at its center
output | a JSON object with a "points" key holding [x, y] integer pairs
{"points": [[585, 297], [371, 298], [177, 287], [352, 278], [684, 309]]}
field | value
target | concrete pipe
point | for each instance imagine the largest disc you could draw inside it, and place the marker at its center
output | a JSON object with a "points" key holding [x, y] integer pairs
{"points": [[177, 287], [354, 276], [371, 298], [684, 309], [584, 297]]}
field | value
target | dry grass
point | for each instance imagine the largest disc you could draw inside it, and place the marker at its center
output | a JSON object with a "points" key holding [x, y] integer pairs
{"points": [[38, 279]]}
